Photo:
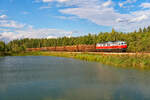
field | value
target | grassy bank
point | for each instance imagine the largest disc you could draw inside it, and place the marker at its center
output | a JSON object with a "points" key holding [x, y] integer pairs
{"points": [[5, 54], [126, 61]]}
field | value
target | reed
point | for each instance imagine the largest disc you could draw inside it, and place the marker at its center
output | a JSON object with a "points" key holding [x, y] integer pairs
{"points": [[141, 61]]}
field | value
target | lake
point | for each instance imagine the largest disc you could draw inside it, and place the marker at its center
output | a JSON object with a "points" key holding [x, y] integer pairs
{"points": [[56, 78]]}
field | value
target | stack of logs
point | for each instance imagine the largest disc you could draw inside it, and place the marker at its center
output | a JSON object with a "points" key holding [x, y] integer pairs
{"points": [[74, 48]]}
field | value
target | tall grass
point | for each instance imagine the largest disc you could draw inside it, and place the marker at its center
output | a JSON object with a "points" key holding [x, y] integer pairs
{"points": [[127, 61]]}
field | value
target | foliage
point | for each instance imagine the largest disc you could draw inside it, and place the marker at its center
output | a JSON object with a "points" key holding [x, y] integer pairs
{"points": [[2, 48], [137, 41]]}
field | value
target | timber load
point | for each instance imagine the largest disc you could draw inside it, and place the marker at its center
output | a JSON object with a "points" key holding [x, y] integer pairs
{"points": [[74, 48], [51, 48], [86, 48], [60, 48]]}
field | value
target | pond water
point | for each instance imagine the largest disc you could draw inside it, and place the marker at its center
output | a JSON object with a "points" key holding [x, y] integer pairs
{"points": [[55, 78]]}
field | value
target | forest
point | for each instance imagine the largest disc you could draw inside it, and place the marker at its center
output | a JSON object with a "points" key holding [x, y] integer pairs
{"points": [[137, 41]]}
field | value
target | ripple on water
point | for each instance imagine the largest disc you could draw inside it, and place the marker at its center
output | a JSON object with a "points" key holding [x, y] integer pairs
{"points": [[55, 78]]}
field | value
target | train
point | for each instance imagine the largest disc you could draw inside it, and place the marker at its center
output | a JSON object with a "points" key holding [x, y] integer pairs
{"points": [[111, 46], [118, 46]]}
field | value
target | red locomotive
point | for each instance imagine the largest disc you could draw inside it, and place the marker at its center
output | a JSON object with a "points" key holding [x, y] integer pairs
{"points": [[112, 46]]}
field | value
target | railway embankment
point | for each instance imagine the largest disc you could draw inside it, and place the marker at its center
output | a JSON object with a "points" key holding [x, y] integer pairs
{"points": [[124, 60]]}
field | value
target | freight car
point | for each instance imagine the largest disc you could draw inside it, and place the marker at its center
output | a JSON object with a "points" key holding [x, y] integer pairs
{"points": [[112, 46]]}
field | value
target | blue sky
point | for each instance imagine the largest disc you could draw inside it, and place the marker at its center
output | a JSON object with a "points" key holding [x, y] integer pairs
{"points": [[57, 18]]}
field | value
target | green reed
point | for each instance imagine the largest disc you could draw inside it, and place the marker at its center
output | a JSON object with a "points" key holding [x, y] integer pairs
{"points": [[139, 61]]}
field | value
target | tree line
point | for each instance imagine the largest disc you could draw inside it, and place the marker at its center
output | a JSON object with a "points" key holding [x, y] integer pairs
{"points": [[137, 41]]}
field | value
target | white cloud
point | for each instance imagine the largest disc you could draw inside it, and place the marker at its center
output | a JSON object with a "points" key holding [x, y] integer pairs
{"points": [[62, 0], [11, 24], [11, 30], [121, 4], [48, 0], [3, 16], [133, 20], [121, 20], [7, 36], [45, 7], [42, 33], [67, 18], [145, 5], [32, 33], [51, 37], [96, 12], [99, 15], [138, 19], [4, 30], [108, 3]]}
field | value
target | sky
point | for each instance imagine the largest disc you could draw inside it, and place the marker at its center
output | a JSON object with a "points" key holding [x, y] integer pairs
{"points": [[57, 18]]}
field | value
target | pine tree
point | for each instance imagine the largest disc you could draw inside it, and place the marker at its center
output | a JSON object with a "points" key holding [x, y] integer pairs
{"points": [[140, 30]]}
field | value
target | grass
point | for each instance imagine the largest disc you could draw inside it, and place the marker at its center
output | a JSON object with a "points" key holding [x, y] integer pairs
{"points": [[5, 54], [126, 61]]}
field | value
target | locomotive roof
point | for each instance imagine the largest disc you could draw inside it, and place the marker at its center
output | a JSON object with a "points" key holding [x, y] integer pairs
{"points": [[112, 41]]}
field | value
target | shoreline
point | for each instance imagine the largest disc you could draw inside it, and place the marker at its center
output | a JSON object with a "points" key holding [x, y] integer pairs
{"points": [[136, 61]]}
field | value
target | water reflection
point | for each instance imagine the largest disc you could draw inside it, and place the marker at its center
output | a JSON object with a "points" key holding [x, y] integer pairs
{"points": [[54, 78]]}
